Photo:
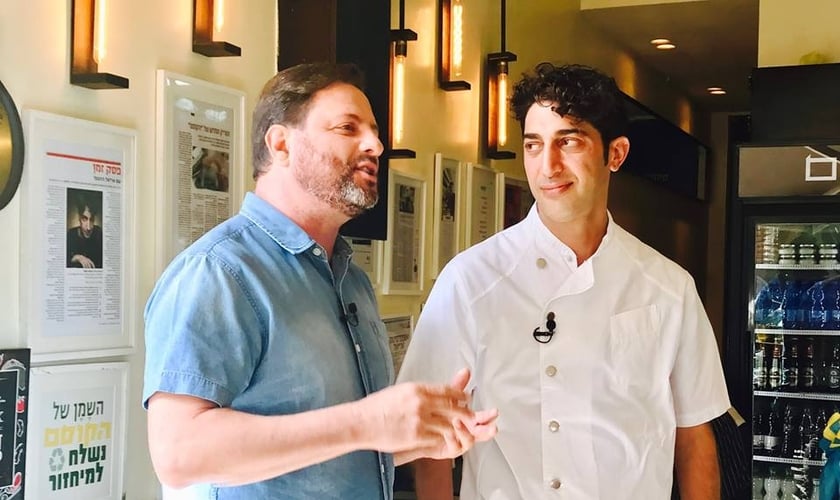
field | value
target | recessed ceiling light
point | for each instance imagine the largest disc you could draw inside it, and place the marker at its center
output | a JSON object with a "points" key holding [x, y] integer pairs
{"points": [[666, 46], [716, 90], [659, 41]]}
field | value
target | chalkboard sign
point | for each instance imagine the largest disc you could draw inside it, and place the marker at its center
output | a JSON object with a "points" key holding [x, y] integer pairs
{"points": [[14, 388]]}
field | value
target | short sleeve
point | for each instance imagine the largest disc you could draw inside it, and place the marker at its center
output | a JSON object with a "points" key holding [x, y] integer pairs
{"points": [[697, 380], [203, 336], [443, 341]]}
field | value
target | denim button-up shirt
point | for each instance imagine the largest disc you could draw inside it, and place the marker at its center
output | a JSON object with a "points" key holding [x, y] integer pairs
{"points": [[254, 317]]}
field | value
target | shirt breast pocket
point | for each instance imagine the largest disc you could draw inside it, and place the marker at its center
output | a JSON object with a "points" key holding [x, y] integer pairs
{"points": [[633, 349]]}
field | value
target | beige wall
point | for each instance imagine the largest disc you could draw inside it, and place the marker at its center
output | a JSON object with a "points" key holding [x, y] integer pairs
{"points": [[144, 36], [785, 34]]}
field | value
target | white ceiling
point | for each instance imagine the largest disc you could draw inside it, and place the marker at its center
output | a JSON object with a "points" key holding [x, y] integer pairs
{"points": [[717, 44]]}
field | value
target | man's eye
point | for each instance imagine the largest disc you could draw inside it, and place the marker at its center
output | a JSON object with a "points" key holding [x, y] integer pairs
{"points": [[532, 146], [347, 127]]}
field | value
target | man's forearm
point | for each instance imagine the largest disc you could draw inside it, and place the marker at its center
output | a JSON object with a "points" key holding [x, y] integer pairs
{"points": [[696, 463], [433, 479]]}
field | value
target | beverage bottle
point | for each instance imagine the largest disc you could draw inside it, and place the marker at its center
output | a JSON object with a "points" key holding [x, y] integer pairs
{"points": [[759, 431], [807, 430], [790, 368], [819, 316], [790, 304], [788, 486], [763, 304], [790, 437], [773, 438], [834, 369], [759, 368], [758, 483], [806, 366], [806, 300], [772, 485], [833, 300], [774, 373], [774, 312], [815, 493]]}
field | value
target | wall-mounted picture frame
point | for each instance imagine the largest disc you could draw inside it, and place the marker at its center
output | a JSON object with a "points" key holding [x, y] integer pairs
{"points": [[367, 254], [446, 227], [518, 201], [14, 409], [485, 189], [404, 248], [399, 328], [78, 227], [199, 157], [77, 432]]}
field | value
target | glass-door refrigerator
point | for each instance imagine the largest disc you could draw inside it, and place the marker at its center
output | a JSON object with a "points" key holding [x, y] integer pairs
{"points": [[782, 338]]}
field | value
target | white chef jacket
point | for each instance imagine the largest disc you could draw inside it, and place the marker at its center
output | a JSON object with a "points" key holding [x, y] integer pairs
{"points": [[592, 414]]}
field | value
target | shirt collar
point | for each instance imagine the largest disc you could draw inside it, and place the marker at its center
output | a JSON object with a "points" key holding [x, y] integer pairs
{"points": [[275, 224], [546, 240]]}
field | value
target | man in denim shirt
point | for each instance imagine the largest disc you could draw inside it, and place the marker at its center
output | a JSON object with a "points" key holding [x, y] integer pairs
{"points": [[267, 367]]}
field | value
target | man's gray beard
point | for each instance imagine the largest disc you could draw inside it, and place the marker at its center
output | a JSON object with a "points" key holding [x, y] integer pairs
{"points": [[354, 200]]}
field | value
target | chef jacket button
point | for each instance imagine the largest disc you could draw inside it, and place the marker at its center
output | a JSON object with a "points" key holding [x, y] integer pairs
{"points": [[541, 263], [316, 251], [553, 426], [551, 370], [555, 484]]}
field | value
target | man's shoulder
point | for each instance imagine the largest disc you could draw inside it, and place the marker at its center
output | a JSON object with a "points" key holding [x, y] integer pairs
{"points": [[651, 262]]}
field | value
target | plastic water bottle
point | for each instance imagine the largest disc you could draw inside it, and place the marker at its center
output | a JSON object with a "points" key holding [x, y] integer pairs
{"points": [[819, 312], [791, 304], [788, 486], [832, 295], [772, 485], [775, 313]]}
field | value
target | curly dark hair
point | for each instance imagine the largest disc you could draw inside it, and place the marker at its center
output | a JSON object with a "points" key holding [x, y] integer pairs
{"points": [[285, 99], [578, 91]]}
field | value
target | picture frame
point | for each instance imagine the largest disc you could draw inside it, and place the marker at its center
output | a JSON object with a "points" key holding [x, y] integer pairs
{"points": [[404, 248], [446, 227], [518, 201], [367, 254], [399, 328], [78, 229], [14, 409], [77, 440], [199, 158], [485, 190]]}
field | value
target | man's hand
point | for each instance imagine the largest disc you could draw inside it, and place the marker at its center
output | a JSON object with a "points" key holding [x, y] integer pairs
{"points": [[426, 420], [82, 261]]}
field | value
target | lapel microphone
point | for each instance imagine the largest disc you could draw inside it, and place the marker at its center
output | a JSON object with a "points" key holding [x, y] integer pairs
{"points": [[352, 318], [544, 337]]}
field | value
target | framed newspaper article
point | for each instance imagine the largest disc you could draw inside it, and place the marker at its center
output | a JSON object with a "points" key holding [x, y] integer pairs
{"points": [[399, 328], [518, 201], [406, 235], [485, 190], [77, 238], [200, 157], [447, 212], [367, 254], [77, 432]]}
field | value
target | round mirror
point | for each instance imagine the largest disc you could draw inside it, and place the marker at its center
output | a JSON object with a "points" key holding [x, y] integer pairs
{"points": [[11, 148]]}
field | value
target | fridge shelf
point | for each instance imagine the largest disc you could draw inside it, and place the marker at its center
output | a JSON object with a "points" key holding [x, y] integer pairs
{"points": [[791, 461], [803, 267], [822, 396], [805, 333]]}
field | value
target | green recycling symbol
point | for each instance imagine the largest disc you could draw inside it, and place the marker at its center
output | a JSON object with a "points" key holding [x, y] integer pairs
{"points": [[57, 460]]}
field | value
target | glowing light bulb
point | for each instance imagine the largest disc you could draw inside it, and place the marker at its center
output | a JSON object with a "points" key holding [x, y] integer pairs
{"points": [[457, 38], [218, 15], [99, 18], [398, 97], [502, 120]]}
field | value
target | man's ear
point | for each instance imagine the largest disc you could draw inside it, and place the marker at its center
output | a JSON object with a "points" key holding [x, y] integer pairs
{"points": [[619, 149], [276, 142]]}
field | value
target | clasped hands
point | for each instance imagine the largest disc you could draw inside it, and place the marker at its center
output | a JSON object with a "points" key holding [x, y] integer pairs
{"points": [[429, 421]]}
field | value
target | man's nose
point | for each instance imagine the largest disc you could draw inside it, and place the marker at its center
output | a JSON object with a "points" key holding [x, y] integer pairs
{"points": [[371, 144], [552, 161]]}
